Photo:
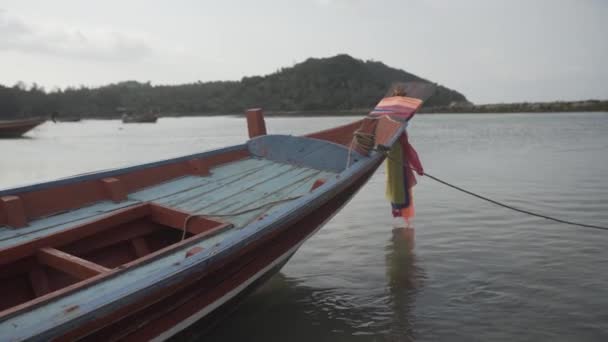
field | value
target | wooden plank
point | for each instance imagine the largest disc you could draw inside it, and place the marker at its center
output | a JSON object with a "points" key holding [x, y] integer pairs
{"points": [[70, 235], [185, 186], [140, 246], [233, 189], [255, 122], [174, 218], [262, 193], [114, 189], [342, 135], [39, 281], [191, 186], [70, 264], [293, 190], [131, 231], [55, 197], [56, 223], [300, 188], [14, 213], [307, 152], [139, 179], [184, 199]]}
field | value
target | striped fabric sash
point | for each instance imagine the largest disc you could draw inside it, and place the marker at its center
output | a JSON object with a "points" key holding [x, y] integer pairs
{"points": [[398, 107]]}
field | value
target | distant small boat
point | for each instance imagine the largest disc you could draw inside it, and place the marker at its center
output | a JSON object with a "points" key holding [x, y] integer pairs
{"points": [[139, 118], [143, 252], [56, 117], [17, 128]]}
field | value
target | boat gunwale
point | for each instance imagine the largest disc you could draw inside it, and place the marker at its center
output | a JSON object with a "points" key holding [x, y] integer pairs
{"points": [[117, 171]]}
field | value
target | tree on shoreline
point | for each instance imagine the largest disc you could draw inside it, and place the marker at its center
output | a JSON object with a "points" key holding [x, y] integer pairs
{"points": [[336, 83]]}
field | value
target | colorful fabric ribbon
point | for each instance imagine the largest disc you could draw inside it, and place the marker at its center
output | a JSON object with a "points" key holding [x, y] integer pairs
{"points": [[402, 158], [400, 179]]}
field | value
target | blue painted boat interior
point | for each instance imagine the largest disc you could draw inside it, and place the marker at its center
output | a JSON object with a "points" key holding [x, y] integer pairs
{"points": [[276, 179]]}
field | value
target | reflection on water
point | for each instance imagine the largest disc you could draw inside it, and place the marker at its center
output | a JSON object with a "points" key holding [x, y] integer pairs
{"points": [[286, 308], [478, 272], [404, 279]]}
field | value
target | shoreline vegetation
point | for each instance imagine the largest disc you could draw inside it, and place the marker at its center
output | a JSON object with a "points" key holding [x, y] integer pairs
{"points": [[523, 107], [499, 108], [338, 86]]}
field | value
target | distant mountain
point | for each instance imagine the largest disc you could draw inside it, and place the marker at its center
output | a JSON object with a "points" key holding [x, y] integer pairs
{"points": [[339, 83], [317, 84]]}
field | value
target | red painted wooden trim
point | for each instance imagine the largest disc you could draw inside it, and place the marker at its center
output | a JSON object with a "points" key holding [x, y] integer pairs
{"points": [[342, 135], [114, 189], [96, 242], [64, 237], [159, 253], [48, 201], [318, 183], [162, 215], [140, 246], [193, 250], [39, 203], [386, 130], [255, 122], [70, 264], [93, 280], [176, 218], [198, 167], [144, 178], [12, 207]]}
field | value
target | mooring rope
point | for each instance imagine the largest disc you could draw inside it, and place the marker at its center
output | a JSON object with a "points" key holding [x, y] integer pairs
{"points": [[513, 208], [363, 141], [366, 142], [237, 213]]}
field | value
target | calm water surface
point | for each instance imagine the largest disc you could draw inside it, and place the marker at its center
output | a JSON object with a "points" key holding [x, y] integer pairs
{"points": [[477, 272]]}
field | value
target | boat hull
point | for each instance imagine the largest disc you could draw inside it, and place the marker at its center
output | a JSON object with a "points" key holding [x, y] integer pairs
{"points": [[144, 252], [16, 129], [206, 298]]}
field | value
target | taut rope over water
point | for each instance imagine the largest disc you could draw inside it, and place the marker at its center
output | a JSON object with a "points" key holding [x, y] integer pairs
{"points": [[513, 208], [366, 142]]}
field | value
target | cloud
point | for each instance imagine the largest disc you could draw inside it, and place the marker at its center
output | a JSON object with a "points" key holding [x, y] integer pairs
{"points": [[18, 35]]}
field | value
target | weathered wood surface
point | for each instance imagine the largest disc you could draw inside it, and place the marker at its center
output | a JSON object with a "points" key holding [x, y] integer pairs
{"points": [[241, 192]]}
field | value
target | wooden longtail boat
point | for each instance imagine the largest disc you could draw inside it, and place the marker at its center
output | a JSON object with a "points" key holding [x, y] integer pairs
{"points": [[143, 252], [17, 128]]}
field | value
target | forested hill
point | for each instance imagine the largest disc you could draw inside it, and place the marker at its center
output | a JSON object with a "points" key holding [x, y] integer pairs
{"points": [[317, 84]]}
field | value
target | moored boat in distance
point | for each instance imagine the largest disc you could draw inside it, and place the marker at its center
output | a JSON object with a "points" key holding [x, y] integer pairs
{"points": [[139, 118], [143, 252], [17, 128]]}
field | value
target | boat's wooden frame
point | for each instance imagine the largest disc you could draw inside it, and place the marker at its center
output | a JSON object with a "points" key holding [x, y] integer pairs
{"points": [[169, 299]]}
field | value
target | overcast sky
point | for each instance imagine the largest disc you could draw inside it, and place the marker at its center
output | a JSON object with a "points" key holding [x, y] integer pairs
{"points": [[490, 50]]}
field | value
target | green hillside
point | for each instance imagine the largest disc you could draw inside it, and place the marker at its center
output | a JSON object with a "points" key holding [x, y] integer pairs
{"points": [[336, 83]]}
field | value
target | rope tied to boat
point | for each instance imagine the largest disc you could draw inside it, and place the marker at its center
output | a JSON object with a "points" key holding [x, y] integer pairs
{"points": [[495, 202], [236, 213], [362, 141]]}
